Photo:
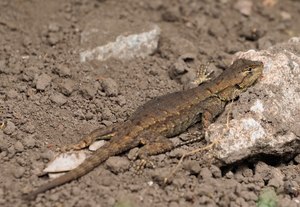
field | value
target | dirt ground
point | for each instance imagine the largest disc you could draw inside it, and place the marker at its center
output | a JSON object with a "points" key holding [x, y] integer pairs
{"points": [[49, 99]]}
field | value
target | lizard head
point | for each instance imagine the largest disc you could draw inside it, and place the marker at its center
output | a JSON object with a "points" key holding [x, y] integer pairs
{"points": [[248, 71], [237, 78]]}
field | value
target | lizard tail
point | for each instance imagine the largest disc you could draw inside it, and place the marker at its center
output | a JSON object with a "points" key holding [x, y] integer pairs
{"points": [[88, 165]]}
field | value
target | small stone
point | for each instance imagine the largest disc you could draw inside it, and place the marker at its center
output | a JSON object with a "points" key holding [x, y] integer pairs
{"points": [[177, 153], [264, 170], [275, 183], [244, 7], [1, 193], [216, 172], [19, 172], [11, 151], [89, 116], [247, 172], [76, 191], [87, 91], [132, 154], [179, 181], [117, 164], [297, 159], [248, 195], [177, 69], [121, 100], [54, 196], [3, 67], [53, 27], [171, 15], [63, 70], [53, 38], [229, 175], [29, 128], [43, 81], [205, 173], [174, 204], [106, 114], [59, 99], [19, 147], [12, 94], [192, 166], [110, 87], [10, 128], [29, 141], [67, 87]]}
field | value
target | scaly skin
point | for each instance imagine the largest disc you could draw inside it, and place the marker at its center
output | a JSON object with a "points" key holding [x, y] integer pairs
{"points": [[163, 117]]}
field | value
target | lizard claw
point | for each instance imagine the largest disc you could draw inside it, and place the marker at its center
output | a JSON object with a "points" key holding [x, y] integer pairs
{"points": [[142, 164], [202, 75]]}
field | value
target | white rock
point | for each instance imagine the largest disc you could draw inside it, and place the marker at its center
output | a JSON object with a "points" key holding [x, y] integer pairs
{"points": [[96, 145], [271, 124], [66, 162], [125, 47]]}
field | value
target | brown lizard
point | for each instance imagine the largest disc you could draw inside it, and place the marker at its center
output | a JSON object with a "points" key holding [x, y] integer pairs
{"points": [[164, 116]]}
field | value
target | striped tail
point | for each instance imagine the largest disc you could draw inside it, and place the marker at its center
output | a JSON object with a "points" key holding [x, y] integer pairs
{"points": [[102, 154]]}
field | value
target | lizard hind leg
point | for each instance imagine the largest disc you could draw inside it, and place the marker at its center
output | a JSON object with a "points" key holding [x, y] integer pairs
{"points": [[97, 134], [153, 146]]}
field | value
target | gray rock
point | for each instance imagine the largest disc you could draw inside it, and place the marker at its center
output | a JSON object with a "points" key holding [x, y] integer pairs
{"points": [[19, 172], [117, 164], [126, 43], [110, 87], [19, 147], [270, 108], [42, 82], [10, 128], [88, 91], [59, 99], [29, 141], [192, 166], [67, 87]]}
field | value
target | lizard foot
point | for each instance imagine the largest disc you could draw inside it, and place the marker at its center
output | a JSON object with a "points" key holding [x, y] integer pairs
{"points": [[202, 75], [142, 164]]}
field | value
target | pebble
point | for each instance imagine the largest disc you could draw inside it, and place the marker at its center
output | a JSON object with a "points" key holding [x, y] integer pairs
{"points": [[216, 172], [297, 159], [12, 94], [19, 147], [248, 195], [19, 172], [42, 82], [1, 192], [88, 92], [117, 164], [63, 70], [106, 114], [192, 166], [76, 191], [89, 116], [177, 153], [29, 128], [11, 150], [67, 87], [121, 100], [29, 141], [247, 172], [59, 99], [132, 154], [10, 128], [244, 7], [110, 87], [205, 173]]}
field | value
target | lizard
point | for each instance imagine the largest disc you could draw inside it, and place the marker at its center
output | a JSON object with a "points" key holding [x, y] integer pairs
{"points": [[163, 117]]}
